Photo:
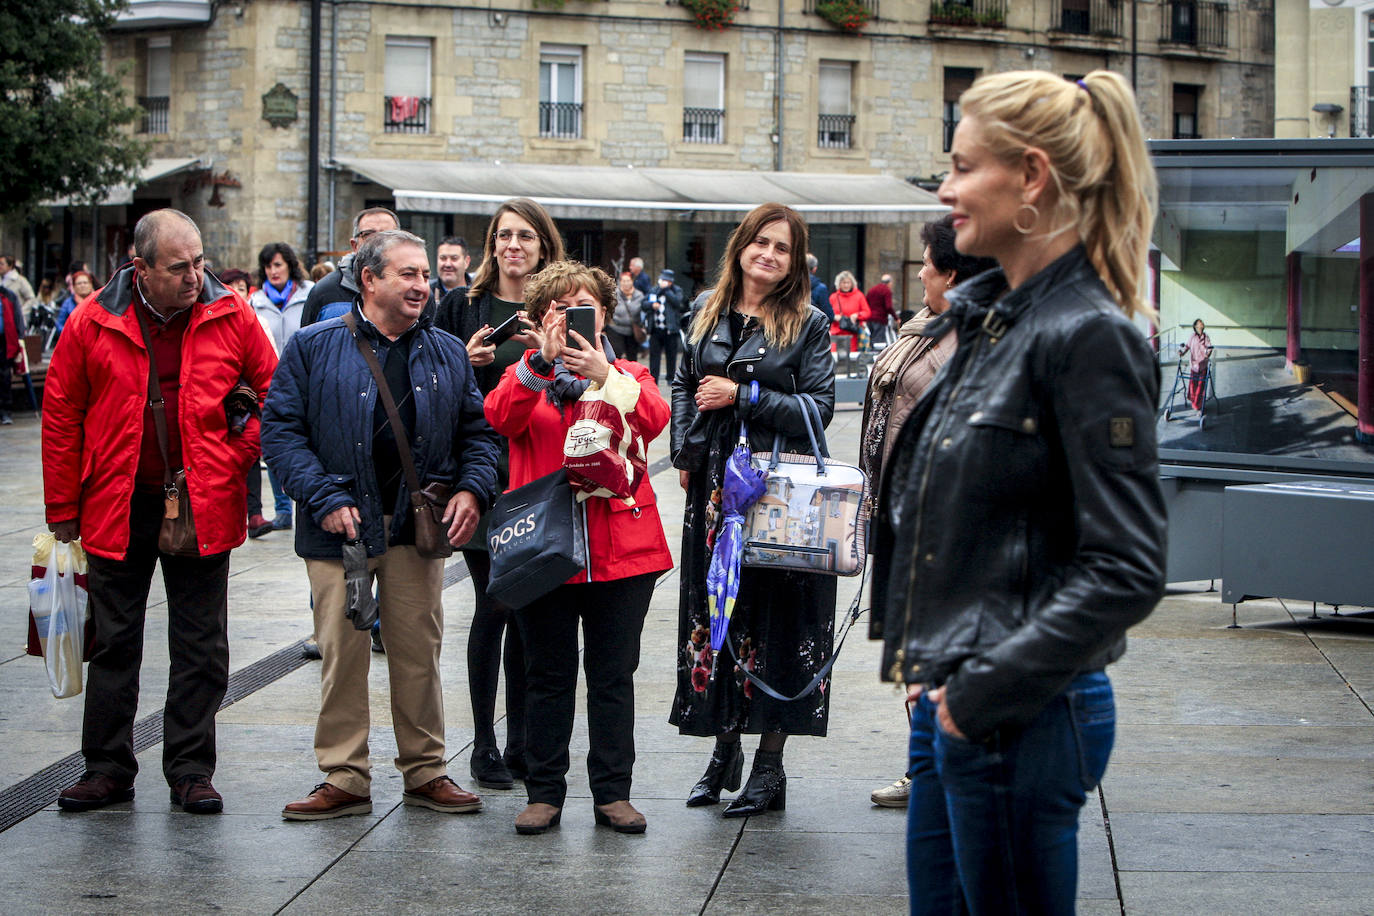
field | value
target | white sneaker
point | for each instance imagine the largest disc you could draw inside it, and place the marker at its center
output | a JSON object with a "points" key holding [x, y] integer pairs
{"points": [[894, 796]]}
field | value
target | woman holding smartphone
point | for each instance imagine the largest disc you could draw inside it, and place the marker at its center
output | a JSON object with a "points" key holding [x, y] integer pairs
{"points": [[521, 238], [626, 549]]}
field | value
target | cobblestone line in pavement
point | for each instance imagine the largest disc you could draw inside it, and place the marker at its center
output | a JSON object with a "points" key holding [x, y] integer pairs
{"points": [[36, 792]]}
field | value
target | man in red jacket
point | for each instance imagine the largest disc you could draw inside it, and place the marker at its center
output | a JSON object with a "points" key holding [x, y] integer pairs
{"points": [[103, 482]]}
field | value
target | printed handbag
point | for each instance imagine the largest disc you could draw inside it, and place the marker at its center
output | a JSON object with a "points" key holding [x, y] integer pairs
{"points": [[602, 452], [814, 515], [538, 540]]}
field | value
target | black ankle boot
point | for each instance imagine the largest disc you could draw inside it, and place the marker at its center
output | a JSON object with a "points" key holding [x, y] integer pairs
{"points": [[766, 789], [725, 770]]}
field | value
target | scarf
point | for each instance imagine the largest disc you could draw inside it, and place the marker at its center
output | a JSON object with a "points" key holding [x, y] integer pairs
{"points": [[279, 297], [908, 346], [567, 387]]}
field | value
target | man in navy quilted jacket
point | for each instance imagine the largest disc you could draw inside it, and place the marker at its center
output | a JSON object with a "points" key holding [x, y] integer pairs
{"points": [[328, 438]]}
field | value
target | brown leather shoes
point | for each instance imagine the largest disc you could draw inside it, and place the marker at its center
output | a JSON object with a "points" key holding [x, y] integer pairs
{"points": [[443, 794], [196, 795], [620, 816], [537, 818], [94, 790], [326, 801]]}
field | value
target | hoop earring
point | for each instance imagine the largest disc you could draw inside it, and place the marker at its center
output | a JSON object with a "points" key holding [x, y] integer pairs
{"points": [[1016, 220]]}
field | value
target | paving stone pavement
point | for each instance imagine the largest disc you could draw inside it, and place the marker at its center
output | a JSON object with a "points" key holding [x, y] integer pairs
{"points": [[1242, 780]]}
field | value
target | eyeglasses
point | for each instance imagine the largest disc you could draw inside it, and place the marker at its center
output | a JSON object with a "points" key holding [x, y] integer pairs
{"points": [[366, 233], [525, 236]]}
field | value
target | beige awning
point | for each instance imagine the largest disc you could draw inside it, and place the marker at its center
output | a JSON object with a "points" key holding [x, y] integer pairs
{"points": [[606, 192], [121, 195]]}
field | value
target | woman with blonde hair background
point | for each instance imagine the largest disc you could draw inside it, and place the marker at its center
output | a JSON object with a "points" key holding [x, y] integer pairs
{"points": [[755, 343], [850, 306], [1021, 524]]}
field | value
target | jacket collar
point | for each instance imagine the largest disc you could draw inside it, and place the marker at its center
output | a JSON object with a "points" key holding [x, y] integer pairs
{"points": [[984, 299], [116, 295]]}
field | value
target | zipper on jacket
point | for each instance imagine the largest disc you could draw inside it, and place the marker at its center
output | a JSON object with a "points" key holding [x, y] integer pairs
{"points": [[899, 657]]}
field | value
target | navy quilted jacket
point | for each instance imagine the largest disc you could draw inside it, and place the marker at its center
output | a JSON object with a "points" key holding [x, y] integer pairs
{"points": [[317, 430]]}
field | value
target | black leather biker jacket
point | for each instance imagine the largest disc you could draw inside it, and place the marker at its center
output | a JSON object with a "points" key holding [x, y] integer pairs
{"points": [[1020, 528], [805, 367]]}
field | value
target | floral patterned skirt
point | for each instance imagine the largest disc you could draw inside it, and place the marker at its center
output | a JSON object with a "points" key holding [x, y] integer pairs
{"points": [[782, 629]]}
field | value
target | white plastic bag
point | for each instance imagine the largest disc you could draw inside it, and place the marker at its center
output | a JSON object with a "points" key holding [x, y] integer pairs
{"points": [[58, 604]]}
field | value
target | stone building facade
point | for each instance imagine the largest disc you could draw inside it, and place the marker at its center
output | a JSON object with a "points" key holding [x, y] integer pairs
{"points": [[628, 83], [1325, 51]]}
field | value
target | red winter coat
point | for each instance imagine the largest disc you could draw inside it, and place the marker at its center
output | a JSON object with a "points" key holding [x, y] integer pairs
{"points": [[93, 407], [622, 541], [853, 304]]}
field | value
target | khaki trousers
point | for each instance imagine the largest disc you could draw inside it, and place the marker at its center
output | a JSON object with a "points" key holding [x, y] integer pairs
{"points": [[413, 627]]}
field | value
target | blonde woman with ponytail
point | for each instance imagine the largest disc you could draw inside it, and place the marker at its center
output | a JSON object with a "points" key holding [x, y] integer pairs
{"points": [[1020, 527]]}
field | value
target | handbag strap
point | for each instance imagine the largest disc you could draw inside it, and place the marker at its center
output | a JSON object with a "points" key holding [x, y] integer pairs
{"points": [[155, 402], [850, 619], [814, 433], [393, 416]]}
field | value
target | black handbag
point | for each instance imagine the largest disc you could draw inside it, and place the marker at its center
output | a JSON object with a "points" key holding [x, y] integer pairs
{"points": [[538, 540]]}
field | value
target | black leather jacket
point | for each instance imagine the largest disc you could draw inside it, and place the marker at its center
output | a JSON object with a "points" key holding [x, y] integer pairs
{"points": [[1021, 525], [804, 367]]}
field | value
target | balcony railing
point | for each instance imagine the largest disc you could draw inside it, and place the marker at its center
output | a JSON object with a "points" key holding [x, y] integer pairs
{"points": [[156, 109], [809, 6], [836, 131], [703, 125], [1361, 112], [990, 14], [405, 114], [1099, 18], [1198, 23], [560, 120]]}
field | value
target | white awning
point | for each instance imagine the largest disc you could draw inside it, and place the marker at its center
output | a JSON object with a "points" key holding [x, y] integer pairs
{"points": [[121, 195], [606, 192]]}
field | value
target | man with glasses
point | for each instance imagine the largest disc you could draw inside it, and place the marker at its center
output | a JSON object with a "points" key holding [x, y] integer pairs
{"points": [[335, 292], [339, 457]]}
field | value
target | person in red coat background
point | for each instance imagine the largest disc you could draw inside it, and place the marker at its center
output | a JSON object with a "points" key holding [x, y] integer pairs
{"points": [[850, 306], [626, 548], [103, 483]]}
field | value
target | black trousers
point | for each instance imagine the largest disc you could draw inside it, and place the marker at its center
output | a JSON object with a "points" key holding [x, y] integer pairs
{"points": [[612, 615], [197, 640], [490, 621], [6, 380], [663, 344], [254, 490]]}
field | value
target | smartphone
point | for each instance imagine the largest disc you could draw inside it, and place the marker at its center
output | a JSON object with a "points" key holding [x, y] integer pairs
{"points": [[504, 331], [582, 319]]}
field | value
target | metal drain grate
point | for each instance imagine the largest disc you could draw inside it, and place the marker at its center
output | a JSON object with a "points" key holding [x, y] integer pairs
{"points": [[33, 794]]}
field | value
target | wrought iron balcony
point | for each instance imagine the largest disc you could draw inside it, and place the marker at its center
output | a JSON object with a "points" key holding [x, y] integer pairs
{"points": [[1097, 18], [405, 114], [809, 6], [156, 109], [836, 132], [703, 125], [560, 120], [1196, 23], [988, 14], [1361, 112]]}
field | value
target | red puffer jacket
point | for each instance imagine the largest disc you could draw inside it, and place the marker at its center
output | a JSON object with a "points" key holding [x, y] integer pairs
{"points": [[93, 406], [622, 540]]}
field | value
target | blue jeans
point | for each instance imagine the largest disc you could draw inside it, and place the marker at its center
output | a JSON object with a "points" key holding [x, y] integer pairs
{"points": [[280, 501], [993, 827]]}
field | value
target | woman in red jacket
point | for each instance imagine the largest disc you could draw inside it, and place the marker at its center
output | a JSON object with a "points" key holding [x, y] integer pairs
{"points": [[532, 407], [851, 308]]}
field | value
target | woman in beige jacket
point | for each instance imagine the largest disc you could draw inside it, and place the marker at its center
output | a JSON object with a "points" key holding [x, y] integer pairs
{"points": [[902, 374]]}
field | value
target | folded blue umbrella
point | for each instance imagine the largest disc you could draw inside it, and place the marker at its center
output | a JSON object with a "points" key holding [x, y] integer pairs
{"points": [[743, 485]]}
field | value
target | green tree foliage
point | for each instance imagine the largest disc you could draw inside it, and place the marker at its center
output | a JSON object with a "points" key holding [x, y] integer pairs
{"points": [[61, 112]]}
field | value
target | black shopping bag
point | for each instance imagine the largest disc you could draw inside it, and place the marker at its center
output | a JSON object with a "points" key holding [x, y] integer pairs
{"points": [[538, 540]]}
